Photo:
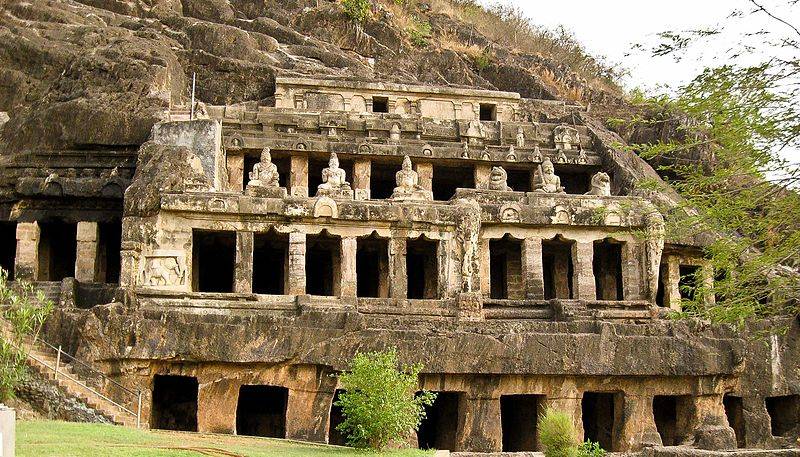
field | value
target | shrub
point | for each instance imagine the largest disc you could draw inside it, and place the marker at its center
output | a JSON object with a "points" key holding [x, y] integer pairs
{"points": [[557, 434], [378, 404], [590, 449], [25, 309], [419, 33], [356, 10]]}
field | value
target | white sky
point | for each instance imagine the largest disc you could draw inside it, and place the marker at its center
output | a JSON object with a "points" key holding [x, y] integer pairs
{"points": [[611, 29]]}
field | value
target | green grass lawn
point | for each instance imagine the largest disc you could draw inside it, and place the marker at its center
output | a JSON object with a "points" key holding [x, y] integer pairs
{"points": [[70, 439]]}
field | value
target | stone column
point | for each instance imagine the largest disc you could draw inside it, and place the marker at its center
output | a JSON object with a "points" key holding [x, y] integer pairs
{"points": [[86, 252], [236, 171], [632, 266], [707, 272], [638, 426], [216, 405], [425, 172], [349, 280], [26, 264], [485, 259], [572, 406], [482, 172], [582, 255], [298, 176], [710, 424], [362, 170], [243, 276], [398, 279], [672, 276], [297, 264], [481, 430], [532, 268], [306, 414]]}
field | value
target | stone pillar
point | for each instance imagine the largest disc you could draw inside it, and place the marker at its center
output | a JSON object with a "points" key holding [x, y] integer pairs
{"points": [[216, 405], [672, 276], [243, 276], [298, 176], [349, 249], [633, 256], [582, 255], [297, 264], [425, 172], [481, 430], [532, 268], [572, 406], [638, 426], [707, 271], [86, 252], [485, 259], [236, 171], [362, 170], [710, 424], [7, 431], [26, 264], [398, 279], [482, 173], [306, 414]]}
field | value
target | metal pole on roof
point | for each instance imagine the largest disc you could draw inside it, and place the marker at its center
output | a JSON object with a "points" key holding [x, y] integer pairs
{"points": [[191, 112]]}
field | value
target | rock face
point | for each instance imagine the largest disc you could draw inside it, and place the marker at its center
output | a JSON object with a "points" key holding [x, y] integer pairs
{"points": [[426, 232]]}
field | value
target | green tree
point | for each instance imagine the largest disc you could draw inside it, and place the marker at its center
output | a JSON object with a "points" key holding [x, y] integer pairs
{"points": [[24, 309], [557, 434], [742, 119], [379, 402]]}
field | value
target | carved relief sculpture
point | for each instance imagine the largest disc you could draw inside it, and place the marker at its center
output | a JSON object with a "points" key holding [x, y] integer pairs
{"points": [[264, 178], [545, 179], [601, 185], [566, 138], [498, 179], [334, 183], [475, 133], [408, 187], [520, 138]]}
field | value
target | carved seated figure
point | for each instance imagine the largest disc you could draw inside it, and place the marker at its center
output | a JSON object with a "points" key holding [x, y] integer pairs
{"points": [[264, 178], [545, 179], [601, 185], [334, 181], [498, 179], [475, 133], [408, 187]]}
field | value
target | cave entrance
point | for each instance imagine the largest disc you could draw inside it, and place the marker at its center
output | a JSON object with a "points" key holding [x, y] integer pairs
{"points": [[8, 247], [57, 250], [382, 180], [447, 179], [689, 280], [575, 183], [734, 412], [671, 414], [607, 266], [558, 268], [261, 411], [270, 262], [439, 428], [518, 418], [336, 417], [213, 260], [784, 414], [519, 180], [505, 266], [174, 404], [372, 267], [323, 264], [422, 268], [109, 240], [601, 412]]}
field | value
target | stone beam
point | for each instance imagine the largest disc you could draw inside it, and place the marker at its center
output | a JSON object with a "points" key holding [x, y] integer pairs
{"points": [[26, 264], [86, 251]]}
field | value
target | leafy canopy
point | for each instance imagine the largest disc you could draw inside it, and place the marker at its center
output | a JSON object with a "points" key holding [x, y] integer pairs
{"points": [[379, 402]]}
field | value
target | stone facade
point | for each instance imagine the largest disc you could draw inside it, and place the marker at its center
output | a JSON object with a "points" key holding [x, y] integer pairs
{"points": [[513, 259]]}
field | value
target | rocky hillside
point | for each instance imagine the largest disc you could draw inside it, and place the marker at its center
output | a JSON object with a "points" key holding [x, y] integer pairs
{"points": [[96, 74]]}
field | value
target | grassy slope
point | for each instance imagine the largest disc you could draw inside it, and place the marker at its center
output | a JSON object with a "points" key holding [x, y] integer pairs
{"points": [[69, 439]]}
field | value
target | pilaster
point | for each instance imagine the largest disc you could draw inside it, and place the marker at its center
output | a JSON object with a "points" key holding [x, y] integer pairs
{"points": [[425, 173], [582, 255], [243, 275], [349, 280], [86, 251], [298, 176], [26, 263], [362, 171], [297, 264], [398, 275], [532, 268]]}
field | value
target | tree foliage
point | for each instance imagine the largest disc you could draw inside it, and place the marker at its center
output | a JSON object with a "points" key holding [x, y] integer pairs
{"points": [[743, 119], [379, 402], [25, 309], [357, 10]]}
